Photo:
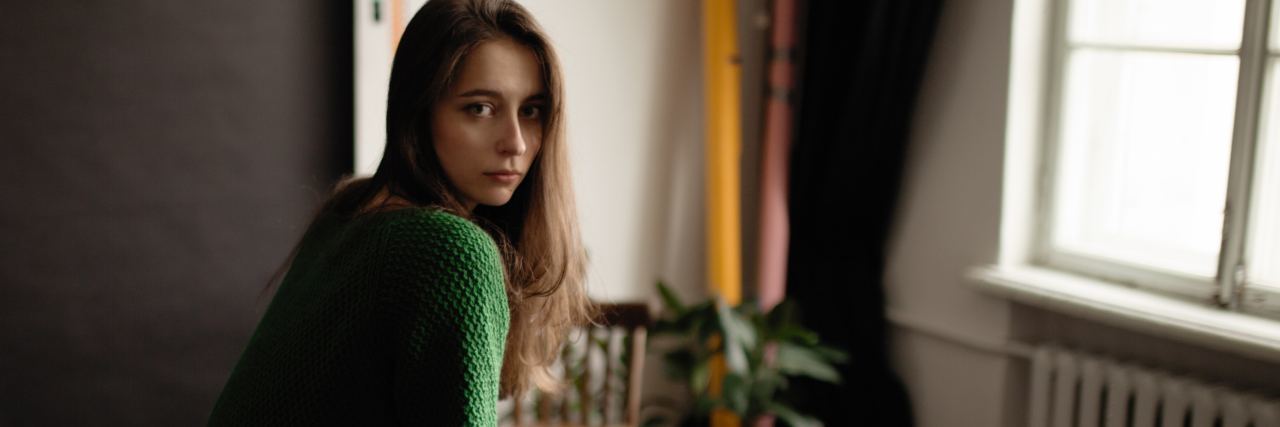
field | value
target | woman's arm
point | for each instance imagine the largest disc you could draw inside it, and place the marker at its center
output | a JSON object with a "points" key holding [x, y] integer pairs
{"points": [[450, 321]]}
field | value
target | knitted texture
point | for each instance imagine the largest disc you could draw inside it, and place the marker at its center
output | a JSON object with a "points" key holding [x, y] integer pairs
{"points": [[397, 317]]}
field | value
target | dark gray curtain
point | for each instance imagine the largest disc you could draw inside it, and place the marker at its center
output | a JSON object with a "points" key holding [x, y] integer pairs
{"points": [[862, 66]]}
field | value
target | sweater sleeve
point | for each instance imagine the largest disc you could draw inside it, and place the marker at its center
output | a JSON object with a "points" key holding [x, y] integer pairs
{"points": [[449, 321]]}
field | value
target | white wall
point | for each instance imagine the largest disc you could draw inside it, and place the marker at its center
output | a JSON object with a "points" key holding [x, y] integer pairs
{"points": [[948, 221], [634, 107]]}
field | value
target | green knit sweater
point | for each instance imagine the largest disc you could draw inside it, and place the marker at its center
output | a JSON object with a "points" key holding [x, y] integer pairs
{"points": [[397, 317]]}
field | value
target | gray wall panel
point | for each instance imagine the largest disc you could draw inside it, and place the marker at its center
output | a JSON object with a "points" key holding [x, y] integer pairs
{"points": [[158, 159]]}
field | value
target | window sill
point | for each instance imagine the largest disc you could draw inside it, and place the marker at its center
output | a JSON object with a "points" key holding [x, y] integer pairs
{"points": [[1162, 316]]}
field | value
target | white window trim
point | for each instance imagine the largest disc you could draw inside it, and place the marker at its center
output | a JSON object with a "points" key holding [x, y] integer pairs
{"points": [[1020, 273], [1135, 309]]}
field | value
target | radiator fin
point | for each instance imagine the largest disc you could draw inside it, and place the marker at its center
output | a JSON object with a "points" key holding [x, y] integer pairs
{"points": [[1073, 389]]}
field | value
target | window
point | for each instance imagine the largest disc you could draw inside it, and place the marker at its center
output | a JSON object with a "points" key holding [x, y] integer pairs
{"points": [[1161, 163]]}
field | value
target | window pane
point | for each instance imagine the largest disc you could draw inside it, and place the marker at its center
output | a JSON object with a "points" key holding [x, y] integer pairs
{"points": [[1145, 143], [1263, 250], [1215, 24]]}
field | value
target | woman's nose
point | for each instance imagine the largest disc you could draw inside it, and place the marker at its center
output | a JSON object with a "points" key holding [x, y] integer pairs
{"points": [[511, 141]]}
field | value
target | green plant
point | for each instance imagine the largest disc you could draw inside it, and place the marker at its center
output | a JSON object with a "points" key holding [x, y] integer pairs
{"points": [[753, 384]]}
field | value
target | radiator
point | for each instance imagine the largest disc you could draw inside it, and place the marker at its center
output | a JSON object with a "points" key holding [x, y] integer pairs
{"points": [[1072, 389]]}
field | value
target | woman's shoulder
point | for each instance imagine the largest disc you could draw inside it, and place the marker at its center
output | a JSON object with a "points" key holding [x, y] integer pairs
{"points": [[429, 223], [434, 234]]}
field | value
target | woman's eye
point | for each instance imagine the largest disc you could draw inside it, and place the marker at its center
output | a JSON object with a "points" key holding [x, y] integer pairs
{"points": [[531, 111], [480, 109]]}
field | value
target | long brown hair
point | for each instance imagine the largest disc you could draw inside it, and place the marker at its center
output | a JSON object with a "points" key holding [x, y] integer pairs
{"points": [[537, 230]]}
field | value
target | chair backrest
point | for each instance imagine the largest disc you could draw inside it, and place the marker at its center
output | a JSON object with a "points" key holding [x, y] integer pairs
{"points": [[603, 363]]}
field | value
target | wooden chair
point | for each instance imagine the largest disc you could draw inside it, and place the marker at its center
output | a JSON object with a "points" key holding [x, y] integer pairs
{"points": [[597, 382]]}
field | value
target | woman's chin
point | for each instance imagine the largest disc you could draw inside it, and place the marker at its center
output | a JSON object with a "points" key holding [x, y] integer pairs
{"points": [[495, 200]]}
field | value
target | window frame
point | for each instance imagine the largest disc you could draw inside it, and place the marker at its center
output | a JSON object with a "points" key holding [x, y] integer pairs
{"points": [[1229, 288]]}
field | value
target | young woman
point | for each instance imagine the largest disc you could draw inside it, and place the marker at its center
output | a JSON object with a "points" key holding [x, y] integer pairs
{"points": [[451, 276]]}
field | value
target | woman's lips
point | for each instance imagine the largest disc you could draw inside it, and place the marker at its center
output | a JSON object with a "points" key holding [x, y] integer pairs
{"points": [[504, 177]]}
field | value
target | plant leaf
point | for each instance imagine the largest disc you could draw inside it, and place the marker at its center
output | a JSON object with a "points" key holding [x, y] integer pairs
{"points": [[832, 354], [699, 377], [767, 383], [703, 405], [735, 357], [739, 321], [797, 360], [735, 393], [670, 299], [701, 320], [687, 323], [795, 419], [796, 333], [782, 313]]}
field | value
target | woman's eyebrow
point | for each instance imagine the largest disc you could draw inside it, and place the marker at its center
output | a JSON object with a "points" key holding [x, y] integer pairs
{"points": [[480, 92], [490, 93]]}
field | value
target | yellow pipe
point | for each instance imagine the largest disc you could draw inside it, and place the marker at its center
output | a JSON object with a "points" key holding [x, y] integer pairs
{"points": [[722, 77], [724, 148]]}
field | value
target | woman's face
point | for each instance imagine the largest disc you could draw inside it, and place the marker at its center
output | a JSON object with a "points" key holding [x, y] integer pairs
{"points": [[488, 128]]}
